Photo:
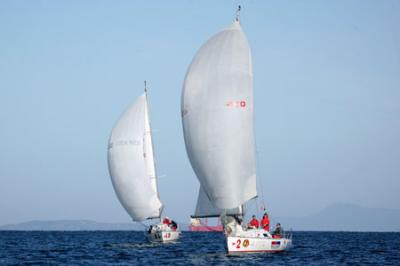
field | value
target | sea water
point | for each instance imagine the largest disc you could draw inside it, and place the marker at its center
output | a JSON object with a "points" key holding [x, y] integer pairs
{"points": [[193, 248]]}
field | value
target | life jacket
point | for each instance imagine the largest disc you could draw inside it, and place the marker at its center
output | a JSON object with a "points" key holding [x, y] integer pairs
{"points": [[265, 223], [254, 222]]}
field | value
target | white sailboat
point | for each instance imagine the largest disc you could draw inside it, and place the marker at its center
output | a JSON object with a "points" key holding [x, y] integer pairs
{"points": [[132, 169], [217, 117]]}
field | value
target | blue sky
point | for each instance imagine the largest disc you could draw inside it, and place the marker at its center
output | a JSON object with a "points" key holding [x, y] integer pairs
{"points": [[326, 82]]}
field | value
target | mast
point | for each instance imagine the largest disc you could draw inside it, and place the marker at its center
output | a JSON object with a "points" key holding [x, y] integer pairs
{"points": [[152, 146], [237, 19], [238, 14]]}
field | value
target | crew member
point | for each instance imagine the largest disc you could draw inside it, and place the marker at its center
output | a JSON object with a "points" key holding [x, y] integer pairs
{"points": [[265, 222], [278, 231], [173, 225], [166, 221], [253, 224]]}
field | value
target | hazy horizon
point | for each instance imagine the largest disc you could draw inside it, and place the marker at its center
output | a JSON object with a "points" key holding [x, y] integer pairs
{"points": [[327, 101], [336, 217]]}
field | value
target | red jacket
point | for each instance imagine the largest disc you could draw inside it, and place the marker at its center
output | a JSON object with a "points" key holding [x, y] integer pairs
{"points": [[254, 222], [166, 221], [265, 223]]}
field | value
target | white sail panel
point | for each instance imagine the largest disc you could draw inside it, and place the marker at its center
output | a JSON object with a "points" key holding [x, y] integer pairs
{"points": [[217, 117], [204, 208], [128, 164], [148, 150]]}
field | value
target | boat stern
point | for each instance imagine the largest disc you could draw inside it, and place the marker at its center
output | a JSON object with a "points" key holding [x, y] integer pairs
{"points": [[237, 245]]}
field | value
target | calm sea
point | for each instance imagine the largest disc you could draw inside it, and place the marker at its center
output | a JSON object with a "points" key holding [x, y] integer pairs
{"points": [[194, 248]]}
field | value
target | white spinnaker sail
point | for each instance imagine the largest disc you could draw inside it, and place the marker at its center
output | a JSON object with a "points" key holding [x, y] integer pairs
{"points": [[217, 117], [204, 208], [131, 163], [148, 150]]}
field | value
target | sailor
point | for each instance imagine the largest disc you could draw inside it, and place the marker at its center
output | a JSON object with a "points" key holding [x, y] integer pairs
{"points": [[173, 225], [237, 219], [166, 221], [150, 229], [278, 231], [253, 224], [265, 222]]}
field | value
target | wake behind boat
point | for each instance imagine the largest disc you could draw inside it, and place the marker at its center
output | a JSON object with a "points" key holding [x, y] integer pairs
{"points": [[217, 117], [132, 170]]}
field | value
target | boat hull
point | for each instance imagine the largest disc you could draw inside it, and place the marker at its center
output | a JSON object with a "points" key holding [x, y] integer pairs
{"points": [[237, 245], [163, 236]]}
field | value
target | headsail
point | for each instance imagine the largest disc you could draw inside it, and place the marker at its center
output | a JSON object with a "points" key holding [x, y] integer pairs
{"points": [[131, 163], [217, 117], [204, 208]]}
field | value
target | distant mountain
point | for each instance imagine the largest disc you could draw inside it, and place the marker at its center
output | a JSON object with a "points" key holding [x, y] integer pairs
{"points": [[346, 217], [76, 225], [336, 217]]}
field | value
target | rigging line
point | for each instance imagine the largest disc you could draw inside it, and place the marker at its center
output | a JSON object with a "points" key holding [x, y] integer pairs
{"points": [[257, 207], [258, 168], [250, 206], [259, 179], [144, 225]]}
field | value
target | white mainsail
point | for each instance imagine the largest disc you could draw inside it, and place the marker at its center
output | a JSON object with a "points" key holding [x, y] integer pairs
{"points": [[131, 163], [217, 117]]}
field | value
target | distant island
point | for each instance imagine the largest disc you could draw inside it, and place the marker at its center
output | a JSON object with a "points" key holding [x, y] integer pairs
{"points": [[70, 225], [336, 217], [74, 225]]}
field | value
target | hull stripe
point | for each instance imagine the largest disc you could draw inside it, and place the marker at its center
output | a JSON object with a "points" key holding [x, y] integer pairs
{"points": [[253, 251]]}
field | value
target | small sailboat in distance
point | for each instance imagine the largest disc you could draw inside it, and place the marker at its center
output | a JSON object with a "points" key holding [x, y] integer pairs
{"points": [[132, 170], [218, 127]]}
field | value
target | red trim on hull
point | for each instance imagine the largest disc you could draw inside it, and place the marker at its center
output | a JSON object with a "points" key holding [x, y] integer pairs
{"points": [[254, 251]]}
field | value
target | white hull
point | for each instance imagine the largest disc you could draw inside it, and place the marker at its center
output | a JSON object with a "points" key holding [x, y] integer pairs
{"points": [[162, 234], [239, 240], [237, 245]]}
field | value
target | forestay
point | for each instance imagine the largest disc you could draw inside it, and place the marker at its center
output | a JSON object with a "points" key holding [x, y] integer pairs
{"points": [[131, 163], [217, 117]]}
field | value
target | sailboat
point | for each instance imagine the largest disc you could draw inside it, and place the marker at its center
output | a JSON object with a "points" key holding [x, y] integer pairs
{"points": [[132, 170], [217, 117]]}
